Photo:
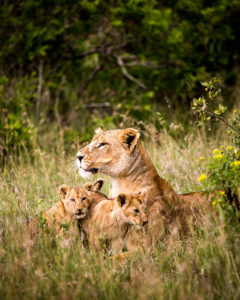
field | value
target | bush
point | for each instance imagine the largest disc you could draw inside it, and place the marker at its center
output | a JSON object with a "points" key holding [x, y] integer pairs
{"points": [[222, 170], [16, 129]]}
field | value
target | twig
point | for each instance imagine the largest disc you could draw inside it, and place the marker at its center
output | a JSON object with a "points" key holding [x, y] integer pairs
{"points": [[88, 52], [107, 49], [147, 64], [104, 51], [110, 49], [98, 105], [39, 88], [121, 64], [211, 113], [90, 78]]}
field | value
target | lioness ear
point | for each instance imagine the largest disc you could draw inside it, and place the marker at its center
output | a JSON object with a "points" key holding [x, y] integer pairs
{"points": [[121, 199], [63, 190], [98, 131], [89, 186], [98, 184], [129, 138]]}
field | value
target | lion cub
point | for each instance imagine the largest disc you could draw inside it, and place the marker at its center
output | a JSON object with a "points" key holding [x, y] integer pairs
{"points": [[60, 217], [109, 220], [102, 219]]}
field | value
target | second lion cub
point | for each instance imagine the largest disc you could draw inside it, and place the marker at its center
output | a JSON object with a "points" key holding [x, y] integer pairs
{"points": [[110, 220]]}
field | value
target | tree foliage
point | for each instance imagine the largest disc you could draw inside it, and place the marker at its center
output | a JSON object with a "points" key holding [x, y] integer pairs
{"points": [[117, 57], [162, 45]]}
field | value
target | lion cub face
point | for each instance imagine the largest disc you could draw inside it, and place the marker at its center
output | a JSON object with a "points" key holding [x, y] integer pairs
{"points": [[110, 152], [133, 208], [77, 200]]}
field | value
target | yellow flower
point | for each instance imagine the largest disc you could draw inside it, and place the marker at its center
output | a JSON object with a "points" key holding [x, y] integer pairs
{"points": [[229, 148], [200, 159], [219, 201], [202, 177], [229, 131], [236, 163], [214, 203], [218, 156], [222, 193], [235, 111], [216, 151]]}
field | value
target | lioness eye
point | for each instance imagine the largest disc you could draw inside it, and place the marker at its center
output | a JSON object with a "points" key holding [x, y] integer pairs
{"points": [[101, 145], [84, 198], [136, 211], [73, 200]]}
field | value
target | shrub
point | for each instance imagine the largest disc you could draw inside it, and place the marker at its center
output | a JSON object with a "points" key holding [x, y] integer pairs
{"points": [[222, 169], [16, 129]]}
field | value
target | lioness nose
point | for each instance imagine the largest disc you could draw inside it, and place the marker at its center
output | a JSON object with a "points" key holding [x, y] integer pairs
{"points": [[145, 222], [80, 157]]}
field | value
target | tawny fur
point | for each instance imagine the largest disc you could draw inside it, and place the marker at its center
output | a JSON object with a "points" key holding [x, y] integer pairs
{"points": [[110, 220], [119, 154], [102, 219], [54, 219], [61, 217]]}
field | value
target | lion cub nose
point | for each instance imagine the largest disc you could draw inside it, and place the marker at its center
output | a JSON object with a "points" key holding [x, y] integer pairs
{"points": [[80, 157]]}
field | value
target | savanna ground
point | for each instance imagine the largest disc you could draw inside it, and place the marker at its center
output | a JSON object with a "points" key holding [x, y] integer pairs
{"points": [[203, 266]]}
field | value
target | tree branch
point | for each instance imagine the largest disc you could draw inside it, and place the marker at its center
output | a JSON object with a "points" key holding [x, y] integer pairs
{"points": [[211, 113], [98, 105], [121, 64], [85, 84], [147, 64], [103, 49], [39, 88]]}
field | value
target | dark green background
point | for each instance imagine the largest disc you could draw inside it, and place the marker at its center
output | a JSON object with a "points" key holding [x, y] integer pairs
{"points": [[87, 63]]}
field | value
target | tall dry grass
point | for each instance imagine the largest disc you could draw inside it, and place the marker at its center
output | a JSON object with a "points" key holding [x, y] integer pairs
{"points": [[203, 266]]}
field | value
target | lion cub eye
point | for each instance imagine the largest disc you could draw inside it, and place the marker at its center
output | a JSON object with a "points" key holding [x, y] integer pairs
{"points": [[136, 211], [73, 200], [84, 198], [102, 144]]}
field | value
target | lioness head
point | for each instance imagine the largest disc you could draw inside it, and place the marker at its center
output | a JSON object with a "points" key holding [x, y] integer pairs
{"points": [[77, 200], [110, 152], [133, 208]]}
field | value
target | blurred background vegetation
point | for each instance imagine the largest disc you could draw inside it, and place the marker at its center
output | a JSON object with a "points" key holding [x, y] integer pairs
{"points": [[67, 67]]}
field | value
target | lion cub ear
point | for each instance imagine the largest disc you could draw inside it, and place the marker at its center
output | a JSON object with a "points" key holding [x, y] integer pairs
{"points": [[94, 187], [88, 186], [63, 190], [122, 199], [129, 138], [98, 184]]}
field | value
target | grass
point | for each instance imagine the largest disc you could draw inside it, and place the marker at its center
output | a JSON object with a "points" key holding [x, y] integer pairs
{"points": [[203, 266]]}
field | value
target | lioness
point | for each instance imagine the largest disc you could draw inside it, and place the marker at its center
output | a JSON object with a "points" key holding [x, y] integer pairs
{"points": [[119, 154], [60, 217]]}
